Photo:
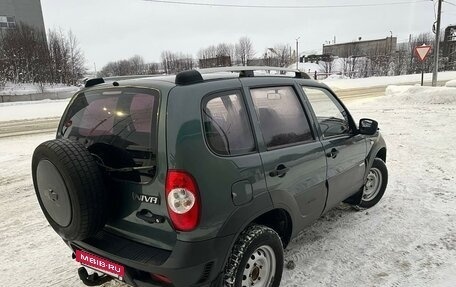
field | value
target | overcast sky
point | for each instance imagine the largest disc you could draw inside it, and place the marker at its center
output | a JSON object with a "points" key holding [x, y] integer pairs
{"points": [[117, 29]]}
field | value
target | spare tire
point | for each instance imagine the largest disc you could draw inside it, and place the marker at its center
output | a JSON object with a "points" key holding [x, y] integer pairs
{"points": [[70, 190]]}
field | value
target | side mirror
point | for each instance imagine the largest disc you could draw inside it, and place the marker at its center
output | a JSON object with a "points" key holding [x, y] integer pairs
{"points": [[368, 126]]}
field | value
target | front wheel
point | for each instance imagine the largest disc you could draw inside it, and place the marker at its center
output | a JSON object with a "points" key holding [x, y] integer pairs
{"points": [[376, 182], [256, 259]]}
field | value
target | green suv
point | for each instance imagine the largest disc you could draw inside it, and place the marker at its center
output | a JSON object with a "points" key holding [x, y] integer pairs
{"points": [[201, 179]]}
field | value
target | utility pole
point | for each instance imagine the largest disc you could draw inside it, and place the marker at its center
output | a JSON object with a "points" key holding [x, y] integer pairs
{"points": [[437, 45], [297, 53]]}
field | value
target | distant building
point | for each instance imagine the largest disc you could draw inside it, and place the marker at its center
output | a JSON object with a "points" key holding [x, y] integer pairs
{"points": [[316, 58], [270, 58], [13, 12], [378, 47], [220, 61]]}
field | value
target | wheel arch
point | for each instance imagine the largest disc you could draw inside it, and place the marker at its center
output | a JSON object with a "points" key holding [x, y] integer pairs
{"points": [[376, 150], [381, 154], [280, 221]]}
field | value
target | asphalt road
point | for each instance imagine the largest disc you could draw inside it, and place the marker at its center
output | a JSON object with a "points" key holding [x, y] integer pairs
{"points": [[27, 127]]}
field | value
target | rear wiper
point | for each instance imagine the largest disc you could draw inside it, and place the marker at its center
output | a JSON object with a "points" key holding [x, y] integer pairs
{"points": [[127, 169], [121, 169], [99, 124]]}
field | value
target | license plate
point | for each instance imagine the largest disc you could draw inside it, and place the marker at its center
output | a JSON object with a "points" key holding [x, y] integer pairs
{"points": [[100, 264]]}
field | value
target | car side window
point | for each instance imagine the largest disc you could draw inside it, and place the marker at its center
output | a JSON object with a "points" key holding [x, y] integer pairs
{"points": [[331, 116], [226, 124], [281, 115]]}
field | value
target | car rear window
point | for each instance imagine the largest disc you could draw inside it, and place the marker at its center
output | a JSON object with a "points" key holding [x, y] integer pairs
{"points": [[118, 125], [226, 124]]}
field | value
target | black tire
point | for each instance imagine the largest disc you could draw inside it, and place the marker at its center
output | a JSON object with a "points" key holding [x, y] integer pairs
{"points": [[70, 190], [379, 166], [252, 238]]}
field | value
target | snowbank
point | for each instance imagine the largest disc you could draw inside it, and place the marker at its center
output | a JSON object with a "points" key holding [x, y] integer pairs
{"points": [[382, 81], [421, 95], [29, 89], [336, 77], [309, 68], [32, 109], [451, 83]]}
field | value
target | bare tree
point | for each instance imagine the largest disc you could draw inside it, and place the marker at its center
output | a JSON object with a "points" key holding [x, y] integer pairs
{"points": [[327, 64], [132, 66], [244, 50], [283, 53], [153, 68], [224, 49], [76, 58], [60, 56], [400, 60], [176, 62], [208, 52], [27, 56], [138, 66]]}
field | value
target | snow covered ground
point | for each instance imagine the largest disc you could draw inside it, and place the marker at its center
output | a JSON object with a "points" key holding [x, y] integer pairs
{"points": [[408, 239], [451, 83]]}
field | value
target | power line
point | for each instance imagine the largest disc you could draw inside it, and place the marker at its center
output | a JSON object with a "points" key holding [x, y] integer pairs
{"points": [[284, 7], [449, 3]]}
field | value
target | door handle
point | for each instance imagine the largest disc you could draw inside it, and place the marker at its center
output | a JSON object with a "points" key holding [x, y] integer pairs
{"points": [[280, 171], [333, 153]]}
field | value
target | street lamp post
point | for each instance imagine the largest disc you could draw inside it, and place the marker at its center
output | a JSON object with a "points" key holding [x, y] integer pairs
{"points": [[437, 46], [297, 53]]}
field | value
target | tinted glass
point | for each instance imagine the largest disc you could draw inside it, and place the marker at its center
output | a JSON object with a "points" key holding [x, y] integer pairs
{"points": [[282, 118], [117, 125], [330, 114], [226, 124]]}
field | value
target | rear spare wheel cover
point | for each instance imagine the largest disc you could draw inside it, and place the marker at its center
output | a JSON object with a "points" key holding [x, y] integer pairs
{"points": [[70, 189], [54, 193]]}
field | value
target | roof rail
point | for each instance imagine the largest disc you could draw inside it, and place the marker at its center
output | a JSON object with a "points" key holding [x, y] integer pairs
{"points": [[194, 76], [93, 82], [247, 71], [188, 77], [96, 81]]}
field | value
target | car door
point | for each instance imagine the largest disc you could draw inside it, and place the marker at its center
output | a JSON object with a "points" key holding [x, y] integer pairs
{"points": [[293, 159], [345, 149]]}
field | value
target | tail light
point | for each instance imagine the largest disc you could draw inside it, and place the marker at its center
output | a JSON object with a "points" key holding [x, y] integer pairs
{"points": [[183, 200]]}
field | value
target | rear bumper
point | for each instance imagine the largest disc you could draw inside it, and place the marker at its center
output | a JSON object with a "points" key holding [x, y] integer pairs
{"points": [[188, 264]]}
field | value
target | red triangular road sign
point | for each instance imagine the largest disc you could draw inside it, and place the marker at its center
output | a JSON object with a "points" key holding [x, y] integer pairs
{"points": [[422, 52]]}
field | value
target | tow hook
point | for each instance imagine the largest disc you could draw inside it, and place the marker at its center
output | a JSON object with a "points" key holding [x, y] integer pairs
{"points": [[149, 217], [93, 279]]}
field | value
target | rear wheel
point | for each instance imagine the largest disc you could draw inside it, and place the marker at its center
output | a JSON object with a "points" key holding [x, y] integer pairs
{"points": [[256, 259], [376, 182]]}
